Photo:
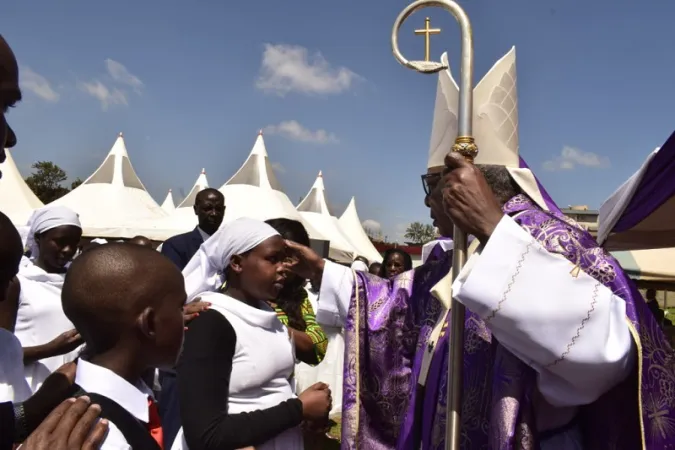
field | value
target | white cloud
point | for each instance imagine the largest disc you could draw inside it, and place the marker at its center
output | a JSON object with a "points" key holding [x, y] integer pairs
{"points": [[571, 158], [293, 130], [119, 73], [372, 226], [289, 68], [278, 168], [38, 85], [107, 96]]}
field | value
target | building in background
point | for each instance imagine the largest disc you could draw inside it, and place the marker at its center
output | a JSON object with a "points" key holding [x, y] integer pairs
{"points": [[588, 218]]}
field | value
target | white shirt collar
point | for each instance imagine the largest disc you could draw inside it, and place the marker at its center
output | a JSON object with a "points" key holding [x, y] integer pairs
{"points": [[99, 380], [203, 234]]}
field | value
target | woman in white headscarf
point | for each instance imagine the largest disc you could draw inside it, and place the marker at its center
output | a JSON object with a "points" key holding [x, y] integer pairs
{"points": [[237, 361], [48, 338]]}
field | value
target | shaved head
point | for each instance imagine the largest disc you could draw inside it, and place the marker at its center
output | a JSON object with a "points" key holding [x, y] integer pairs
{"points": [[120, 294], [142, 241], [11, 250]]}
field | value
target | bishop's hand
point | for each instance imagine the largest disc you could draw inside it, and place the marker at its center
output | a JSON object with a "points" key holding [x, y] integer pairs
{"points": [[468, 199], [304, 262]]}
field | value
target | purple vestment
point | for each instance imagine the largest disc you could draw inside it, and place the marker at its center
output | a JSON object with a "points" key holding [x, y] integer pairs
{"points": [[395, 320]]}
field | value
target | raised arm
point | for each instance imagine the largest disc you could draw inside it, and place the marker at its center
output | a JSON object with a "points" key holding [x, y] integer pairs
{"points": [[560, 321]]}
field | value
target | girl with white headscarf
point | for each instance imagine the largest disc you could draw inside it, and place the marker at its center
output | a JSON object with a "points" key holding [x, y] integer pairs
{"points": [[234, 372], [48, 338]]}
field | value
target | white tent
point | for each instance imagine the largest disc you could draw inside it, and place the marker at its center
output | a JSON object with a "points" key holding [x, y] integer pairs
{"points": [[314, 209], [254, 191], [351, 226], [168, 205], [184, 219], [17, 201], [201, 184], [113, 201]]}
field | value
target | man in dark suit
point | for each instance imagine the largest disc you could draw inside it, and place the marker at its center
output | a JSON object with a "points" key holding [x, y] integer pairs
{"points": [[210, 210]]}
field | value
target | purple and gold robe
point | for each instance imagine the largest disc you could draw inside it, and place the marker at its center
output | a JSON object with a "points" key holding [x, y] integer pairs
{"points": [[384, 407]]}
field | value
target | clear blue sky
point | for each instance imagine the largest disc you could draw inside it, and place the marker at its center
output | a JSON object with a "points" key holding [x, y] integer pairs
{"points": [[191, 82]]}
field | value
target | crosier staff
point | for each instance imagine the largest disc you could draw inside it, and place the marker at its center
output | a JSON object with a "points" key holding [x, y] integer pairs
{"points": [[464, 145]]}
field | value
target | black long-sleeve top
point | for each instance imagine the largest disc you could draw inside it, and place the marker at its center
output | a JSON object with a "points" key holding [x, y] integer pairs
{"points": [[204, 371], [7, 430]]}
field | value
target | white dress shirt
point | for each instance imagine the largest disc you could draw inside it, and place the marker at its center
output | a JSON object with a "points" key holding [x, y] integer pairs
{"points": [[133, 398]]}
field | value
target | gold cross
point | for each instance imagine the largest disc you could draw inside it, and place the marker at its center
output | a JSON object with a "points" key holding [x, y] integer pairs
{"points": [[427, 32]]}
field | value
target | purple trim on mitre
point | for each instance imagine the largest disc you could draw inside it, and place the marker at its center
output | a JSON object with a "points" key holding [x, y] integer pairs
{"points": [[656, 187], [550, 204]]}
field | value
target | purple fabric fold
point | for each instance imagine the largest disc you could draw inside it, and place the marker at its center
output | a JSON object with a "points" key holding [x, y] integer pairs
{"points": [[655, 188]]}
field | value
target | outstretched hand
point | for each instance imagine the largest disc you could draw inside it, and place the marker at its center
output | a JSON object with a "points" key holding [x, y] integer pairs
{"points": [[304, 262], [468, 199]]}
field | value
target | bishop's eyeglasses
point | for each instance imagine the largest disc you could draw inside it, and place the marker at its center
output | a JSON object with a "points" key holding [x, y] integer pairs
{"points": [[429, 182]]}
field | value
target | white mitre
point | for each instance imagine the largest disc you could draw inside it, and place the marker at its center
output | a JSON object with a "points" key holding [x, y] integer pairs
{"points": [[495, 122]]}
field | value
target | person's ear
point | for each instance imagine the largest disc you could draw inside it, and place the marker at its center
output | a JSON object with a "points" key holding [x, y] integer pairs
{"points": [[236, 263], [146, 323]]}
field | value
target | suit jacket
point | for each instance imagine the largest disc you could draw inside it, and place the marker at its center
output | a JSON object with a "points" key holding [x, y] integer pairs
{"points": [[182, 247]]}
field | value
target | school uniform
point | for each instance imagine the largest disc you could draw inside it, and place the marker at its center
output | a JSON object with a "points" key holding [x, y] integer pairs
{"points": [[234, 380], [135, 399]]}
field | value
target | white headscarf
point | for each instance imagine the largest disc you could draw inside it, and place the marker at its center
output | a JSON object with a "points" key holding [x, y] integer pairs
{"points": [[204, 272], [45, 219], [360, 266]]}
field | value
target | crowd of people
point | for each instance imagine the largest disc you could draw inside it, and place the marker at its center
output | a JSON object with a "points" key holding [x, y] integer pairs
{"points": [[121, 346]]}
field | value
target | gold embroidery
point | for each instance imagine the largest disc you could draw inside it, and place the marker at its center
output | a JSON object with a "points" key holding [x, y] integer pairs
{"points": [[638, 344], [510, 285], [575, 270], [594, 300]]}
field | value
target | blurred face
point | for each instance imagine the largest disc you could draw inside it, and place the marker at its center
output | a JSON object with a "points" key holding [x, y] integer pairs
{"points": [[263, 271], [375, 268], [433, 199], [10, 94], [168, 323], [58, 247], [210, 210], [394, 265]]}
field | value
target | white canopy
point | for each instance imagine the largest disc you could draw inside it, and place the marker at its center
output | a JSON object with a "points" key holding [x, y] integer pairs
{"points": [[640, 214], [254, 191], [181, 220], [113, 201], [17, 201], [314, 209], [168, 205], [201, 184], [351, 225]]}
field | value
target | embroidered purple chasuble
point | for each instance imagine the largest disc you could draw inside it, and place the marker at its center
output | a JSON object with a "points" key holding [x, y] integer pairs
{"points": [[385, 408]]}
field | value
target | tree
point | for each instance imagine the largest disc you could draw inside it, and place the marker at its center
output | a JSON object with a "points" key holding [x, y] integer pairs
{"points": [[75, 183], [46, 181], [418, 233]]}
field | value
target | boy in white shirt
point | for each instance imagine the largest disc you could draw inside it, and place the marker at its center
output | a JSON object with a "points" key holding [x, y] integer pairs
{"points": [[127, 303]]}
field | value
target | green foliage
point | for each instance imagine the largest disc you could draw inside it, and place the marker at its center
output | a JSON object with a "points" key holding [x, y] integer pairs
{"points": [[418, 233], [47, 180]]}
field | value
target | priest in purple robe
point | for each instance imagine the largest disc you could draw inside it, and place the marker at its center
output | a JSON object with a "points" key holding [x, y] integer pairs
{"points": [[560, 350]]}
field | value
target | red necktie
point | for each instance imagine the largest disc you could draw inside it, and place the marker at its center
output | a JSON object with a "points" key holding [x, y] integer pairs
{"points": [[155, 424]]}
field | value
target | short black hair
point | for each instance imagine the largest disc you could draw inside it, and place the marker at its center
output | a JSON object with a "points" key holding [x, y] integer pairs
{"points": [[407, 260], [201, 195], [290, 229]]}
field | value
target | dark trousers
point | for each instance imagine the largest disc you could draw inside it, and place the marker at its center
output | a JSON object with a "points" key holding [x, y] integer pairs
{"points": [[169, 407]]}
